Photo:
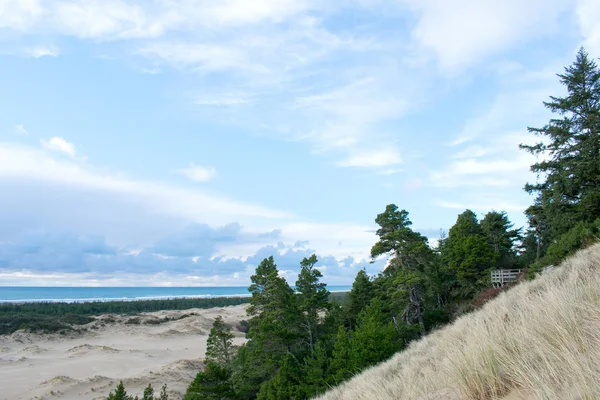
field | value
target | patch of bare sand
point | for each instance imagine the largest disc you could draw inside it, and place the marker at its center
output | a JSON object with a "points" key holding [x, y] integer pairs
{"points": [[88, 365]]}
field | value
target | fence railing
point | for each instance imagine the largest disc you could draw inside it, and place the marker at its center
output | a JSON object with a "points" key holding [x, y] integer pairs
{"points": [[502, 276]]}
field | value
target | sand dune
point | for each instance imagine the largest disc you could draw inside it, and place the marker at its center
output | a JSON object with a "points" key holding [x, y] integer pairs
{"points": [[88, 365], [539, 340]]}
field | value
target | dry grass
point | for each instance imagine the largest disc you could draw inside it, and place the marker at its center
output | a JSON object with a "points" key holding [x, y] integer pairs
{"points": [[538, 340]]}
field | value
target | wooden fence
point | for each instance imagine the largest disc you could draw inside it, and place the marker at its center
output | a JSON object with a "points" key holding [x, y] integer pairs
{"points": [[502, 276]]}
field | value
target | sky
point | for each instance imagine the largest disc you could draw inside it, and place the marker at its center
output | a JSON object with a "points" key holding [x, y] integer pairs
{"points": [[180, 142]]}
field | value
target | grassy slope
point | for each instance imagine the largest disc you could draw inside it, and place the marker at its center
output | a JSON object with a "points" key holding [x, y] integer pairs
{"points": [[539, 340]]}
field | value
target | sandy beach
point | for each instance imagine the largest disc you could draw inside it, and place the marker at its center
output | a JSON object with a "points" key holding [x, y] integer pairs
{"points": [[88, 365]]}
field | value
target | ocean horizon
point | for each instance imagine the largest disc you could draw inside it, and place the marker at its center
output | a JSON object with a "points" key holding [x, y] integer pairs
{"points": [[74, 294]]}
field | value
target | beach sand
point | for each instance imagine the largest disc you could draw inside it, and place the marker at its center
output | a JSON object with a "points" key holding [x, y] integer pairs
{"points": [[89, 365]]}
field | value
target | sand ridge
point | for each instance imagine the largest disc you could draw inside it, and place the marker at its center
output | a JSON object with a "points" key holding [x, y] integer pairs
{"points": [[88, 365]]}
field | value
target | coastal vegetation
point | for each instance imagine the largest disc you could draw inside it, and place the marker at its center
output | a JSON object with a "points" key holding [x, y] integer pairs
{"points": [[539, 340], [61, 317], [538, 336], [299, 346]]}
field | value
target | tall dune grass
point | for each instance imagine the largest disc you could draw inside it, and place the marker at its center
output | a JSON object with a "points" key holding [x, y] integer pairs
{"points": [[538, 340]]}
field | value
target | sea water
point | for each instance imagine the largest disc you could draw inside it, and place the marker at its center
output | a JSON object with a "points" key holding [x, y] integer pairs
{"points": [[82, 294]]}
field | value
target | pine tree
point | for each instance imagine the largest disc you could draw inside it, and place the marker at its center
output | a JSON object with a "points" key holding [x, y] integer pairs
{"points": [[570, 191], [375, 338], [214, 383], [219, 345], [274, 330], [467, 255], [287, 384], [360, 295], [314, 375], [498, 231], [148, 393], [163, 393], [313, 297], [120, 393], [410, 259], [342, 365]]}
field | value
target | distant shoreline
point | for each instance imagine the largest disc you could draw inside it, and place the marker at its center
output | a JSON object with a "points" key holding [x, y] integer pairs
{"points": [[32, 294], [120, 299], [57, 316]]}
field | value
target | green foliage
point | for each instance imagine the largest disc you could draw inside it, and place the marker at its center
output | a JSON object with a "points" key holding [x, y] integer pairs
{"points": [[342, 364], [163, 393], [214, 383], [408, 248], [375, 338], [467, 255], [581, 235], [14, 321], [402, 286], [54, 317], [148, 393], [360, 295], [287, 383], [313, 297], [570, 191], [499, 234], [120, 393], [314, 380], [436, 318], [219, 345]]}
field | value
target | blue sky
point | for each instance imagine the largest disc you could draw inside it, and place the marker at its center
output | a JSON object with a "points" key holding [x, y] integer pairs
{"points": [[180, 142]]}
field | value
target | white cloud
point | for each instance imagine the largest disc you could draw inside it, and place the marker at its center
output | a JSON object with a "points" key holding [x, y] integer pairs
{"points": [[476, 172], [475, 151], [523, 105], [19, 14], [198, 173], [20, 130], [24, 162], [465, 31], [588, 13], [103, 20], [60, 145], [38, 52], [208, 57], [373, 158], [346, 119], [484, 205]]}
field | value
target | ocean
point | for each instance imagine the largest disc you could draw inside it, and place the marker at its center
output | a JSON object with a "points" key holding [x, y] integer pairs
{"points": [[11, 294]]}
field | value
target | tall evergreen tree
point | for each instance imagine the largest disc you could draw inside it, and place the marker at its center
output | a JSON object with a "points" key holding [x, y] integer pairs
{"points": [[120, 393], [342, 365], [315, 372], [359, 297], [274, 330], [287, 384], [410, 258], [148, 393], [214, 383], [375, 338], [313, 297], [467, 255], [219, 345], [570, 190], [498, 231]]}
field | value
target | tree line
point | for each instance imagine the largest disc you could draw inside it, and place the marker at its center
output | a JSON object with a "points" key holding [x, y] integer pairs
{"points": [[300, 342], [52, 317]]}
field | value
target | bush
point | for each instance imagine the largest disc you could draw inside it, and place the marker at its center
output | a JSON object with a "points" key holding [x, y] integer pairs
{"points": [[243, 326], [581, 235], [486, 296], [435, 318]]}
